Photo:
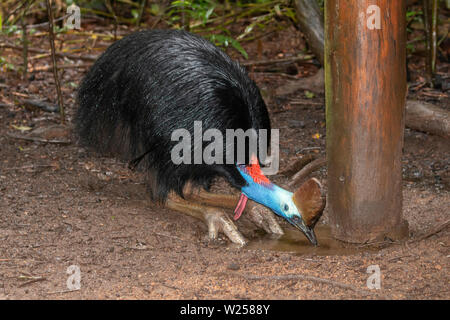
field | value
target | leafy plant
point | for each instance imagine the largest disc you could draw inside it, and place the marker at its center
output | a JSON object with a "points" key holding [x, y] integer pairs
{"points": [[10, 30], [225, 41], [195, 10], [5, 65], [197, 13], [214, 18]]}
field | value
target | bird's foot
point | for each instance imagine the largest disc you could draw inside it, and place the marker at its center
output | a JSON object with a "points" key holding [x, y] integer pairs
{"points": [[264, 218], [204, 206], [218, 221]]}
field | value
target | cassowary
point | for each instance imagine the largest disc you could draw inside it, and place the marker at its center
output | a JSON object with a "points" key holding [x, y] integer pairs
{"points": [[151, 83]]}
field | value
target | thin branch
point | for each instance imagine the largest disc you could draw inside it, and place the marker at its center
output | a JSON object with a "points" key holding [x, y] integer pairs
{"points": [[430, 22], [306, 102], [62, 291], [13, 12], [25, 40], [13, 136], [63, 66], [436, 230], [297, 165], [111, 10], [55, 66], [275, 61], [41, 105], [42, 24], [58, 54], [141, 12], [308, 169], [33, 166], [274, 74], [434, 34], [302, 277], [31, 280]]}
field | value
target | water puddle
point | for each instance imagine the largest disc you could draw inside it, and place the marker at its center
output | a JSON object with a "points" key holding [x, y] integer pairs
{"points": [[295, 242]]}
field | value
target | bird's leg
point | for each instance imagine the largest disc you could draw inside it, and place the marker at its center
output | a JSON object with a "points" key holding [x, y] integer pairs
{"points": [[215, 218], [258, 214]]}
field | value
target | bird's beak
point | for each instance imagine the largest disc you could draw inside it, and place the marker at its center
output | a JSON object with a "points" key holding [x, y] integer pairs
{"points": [[298, 222]]}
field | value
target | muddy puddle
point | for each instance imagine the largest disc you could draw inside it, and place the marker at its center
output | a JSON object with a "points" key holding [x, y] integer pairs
{"points": [[295, 242]]}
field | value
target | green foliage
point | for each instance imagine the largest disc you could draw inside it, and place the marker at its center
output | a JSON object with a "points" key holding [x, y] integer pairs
{"points": [[214, 18], [10, 30], [156, 10], [227, 23], [321, 4], [197, 13], [194, 10], [309, 94], [5, 65], [135, 13], [62, 29], [413, 18], [225, 41], [410, 47]]}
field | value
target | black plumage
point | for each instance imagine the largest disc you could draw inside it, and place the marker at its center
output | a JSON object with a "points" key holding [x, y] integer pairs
{"points": [[150, 83]]}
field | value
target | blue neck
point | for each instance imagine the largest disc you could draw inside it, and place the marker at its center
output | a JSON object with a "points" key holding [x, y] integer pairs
{"points": [[267, 194]]}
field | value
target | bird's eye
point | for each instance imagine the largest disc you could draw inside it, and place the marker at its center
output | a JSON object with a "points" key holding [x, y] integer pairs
{"points": [[286, 207]]}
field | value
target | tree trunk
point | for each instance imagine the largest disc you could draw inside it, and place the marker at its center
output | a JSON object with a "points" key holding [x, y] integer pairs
{"points": [[420, 116], [426, 117], [365, 86], [310, 20]]}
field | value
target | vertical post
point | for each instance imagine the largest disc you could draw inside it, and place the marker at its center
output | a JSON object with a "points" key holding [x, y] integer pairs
{"points": [[365, 79]]}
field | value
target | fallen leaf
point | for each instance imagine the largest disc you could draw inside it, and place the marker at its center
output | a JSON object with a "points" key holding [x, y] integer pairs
{"points": [[21, 128]]}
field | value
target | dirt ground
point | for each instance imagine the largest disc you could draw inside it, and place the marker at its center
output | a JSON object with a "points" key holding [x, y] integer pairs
{"points": [[61, 205]]}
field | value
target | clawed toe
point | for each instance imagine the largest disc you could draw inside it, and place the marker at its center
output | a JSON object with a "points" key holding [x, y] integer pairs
{"points": [[265, 219], [218, 221]]}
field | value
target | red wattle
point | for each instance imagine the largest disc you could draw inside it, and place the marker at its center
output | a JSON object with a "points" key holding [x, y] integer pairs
{"points": [[240, 206]]}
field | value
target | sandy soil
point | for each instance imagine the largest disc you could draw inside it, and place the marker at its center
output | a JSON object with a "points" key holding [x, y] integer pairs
{"points": [[61, 205]]}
